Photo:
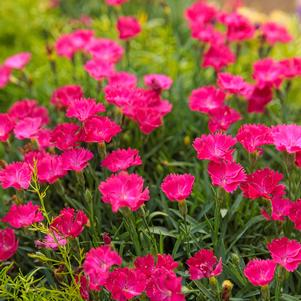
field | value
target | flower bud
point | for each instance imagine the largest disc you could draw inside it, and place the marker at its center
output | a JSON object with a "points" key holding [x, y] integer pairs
{"points": [[227, 289]]}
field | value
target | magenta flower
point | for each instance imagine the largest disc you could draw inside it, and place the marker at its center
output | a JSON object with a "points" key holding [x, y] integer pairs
{"points": [[84, 108], [228, 175], [258, 98], [275, 33], [260, 272], [125, 284], [128, 27], [206, 99], [18, 61], [65, 136], [158, 82], [115, 2], [200, 13], [122, 78], [214, 147], [44, 138], [23, 215], [97, 265], [287, 137], [204, 264], [4, 76], [286, 252], [6, 126], [53, 240], [233, 84], [222, 118], [76, 159], [16, 175], [263, 183], [69, 223], [27, 128], [124, 190], [62, 96], [177, 187], [295, 214], [8, 244], [280, 209], [218, 56], [207, 34], [99, 69], [121, 159], [291, 67], [253, 136], [99, 130]]}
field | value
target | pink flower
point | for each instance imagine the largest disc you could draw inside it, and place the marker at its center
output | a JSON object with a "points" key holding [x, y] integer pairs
{"points": [[218, 56], [99, 130], [6, 126], [50, 168], [17, 175], [287, 137], [291, 67], [214, 147], [43, 138], [207, 34], [70, 223], [115, 2], [76, 159], [62, 96], [18, 61], [84, 108], [119, 95], [239, 28], [105, 50], [200, 13], [222, 118], [286, 252], [8, 244], [228, 175], [206, 99], [275, 33], [280, 209], [128, 27], [97, 265], [83, 283], [125, 284], [204, 264], [99, 69], [65, 136], [177, 187], [258, 98], [52, 240], [253, 136], [121, 159], [4, 76], [233, 84], [263, 183], [124, 190], [122, 78], [295, 214], [267, 72], [23, 215], [27, 128], [158, 82], [260, 272]]}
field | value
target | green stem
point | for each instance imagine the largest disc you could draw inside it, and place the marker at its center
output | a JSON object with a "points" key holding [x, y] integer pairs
{"points": [[278, 283], [265, 293]]}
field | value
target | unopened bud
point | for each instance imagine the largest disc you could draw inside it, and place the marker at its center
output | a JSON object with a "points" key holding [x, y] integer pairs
{"points": [[227, 289]]}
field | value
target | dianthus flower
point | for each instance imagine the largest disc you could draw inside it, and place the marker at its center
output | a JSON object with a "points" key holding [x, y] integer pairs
{"points": [[65, 136], [122, 78], [125, 284], [295, 214], [258, 98], [53, 240], [6, 126], [124, 190], [115, 2], [70, 223], [230, 83], [263, 183], [23, 215], [214, 147], [253, 136], [286, 252], [206, 99], [260, 272], [44, 138], [280, 209], [291, 67], [228, 175], [128, 27], [27, 128], [64, 95], [204, 264], [84, 108], [8, 244], [18, 61], [207, 34], [4, 76], [275, 33], [99, 69], [287, 137], [97, 265], [99, 129], [177, 187], [121, 159], [76, 159], [158, 82], [16, 175]]}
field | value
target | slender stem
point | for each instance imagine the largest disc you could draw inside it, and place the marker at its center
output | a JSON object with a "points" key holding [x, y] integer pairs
{"points": [[278, 283], [265, 293], [217, 219]]}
